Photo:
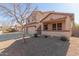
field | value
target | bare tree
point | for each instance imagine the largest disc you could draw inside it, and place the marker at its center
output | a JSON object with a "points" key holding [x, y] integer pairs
{"points": [[17, 12]]}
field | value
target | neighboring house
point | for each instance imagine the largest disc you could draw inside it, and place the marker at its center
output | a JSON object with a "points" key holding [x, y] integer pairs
{"points": [[50, 23]]}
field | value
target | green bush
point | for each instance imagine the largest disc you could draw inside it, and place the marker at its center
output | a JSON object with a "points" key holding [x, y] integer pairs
{"points": [[45, 36], [35, 35], [11, 30], [63, 38], [77, 26]]}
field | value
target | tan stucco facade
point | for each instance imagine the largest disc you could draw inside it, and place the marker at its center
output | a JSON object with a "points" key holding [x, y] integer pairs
{"points": [[67, 20]]}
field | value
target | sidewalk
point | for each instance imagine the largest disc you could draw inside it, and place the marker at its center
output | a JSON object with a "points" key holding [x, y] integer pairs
{"points": [[5, 44], [74, 47]]}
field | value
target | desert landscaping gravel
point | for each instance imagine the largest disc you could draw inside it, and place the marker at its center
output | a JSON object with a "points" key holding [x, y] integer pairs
{"points": [[40, 46]]}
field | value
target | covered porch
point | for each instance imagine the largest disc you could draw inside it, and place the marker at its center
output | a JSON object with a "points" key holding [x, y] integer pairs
{"points": [[55, 27]]}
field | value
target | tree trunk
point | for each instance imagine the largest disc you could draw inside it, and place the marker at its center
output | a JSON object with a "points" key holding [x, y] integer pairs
{"points": [[23, 34]]}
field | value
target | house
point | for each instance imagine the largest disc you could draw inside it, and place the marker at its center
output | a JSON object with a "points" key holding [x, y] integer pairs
{"points": [[51, 23], [18, 27]]}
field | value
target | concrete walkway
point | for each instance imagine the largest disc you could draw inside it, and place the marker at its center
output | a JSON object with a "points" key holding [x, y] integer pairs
{"points": [[40, 46], [74, 47]]}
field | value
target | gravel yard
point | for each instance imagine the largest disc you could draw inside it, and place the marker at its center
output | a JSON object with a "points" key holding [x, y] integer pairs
{"points": [[40, 46]]}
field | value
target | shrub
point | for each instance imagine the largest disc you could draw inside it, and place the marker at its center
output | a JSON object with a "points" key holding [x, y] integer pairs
{"points": [[35, 35], [7, 30], [11, 30], [63, 38], [45, 36]]}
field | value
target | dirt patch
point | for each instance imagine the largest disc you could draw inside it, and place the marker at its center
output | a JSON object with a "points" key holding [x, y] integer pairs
{"points": [[41, 46]]}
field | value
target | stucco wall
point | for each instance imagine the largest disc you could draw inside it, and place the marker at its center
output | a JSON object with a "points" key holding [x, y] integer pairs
{"points": [[63, 25], [51, 33], [31, 30], [68, 23]]}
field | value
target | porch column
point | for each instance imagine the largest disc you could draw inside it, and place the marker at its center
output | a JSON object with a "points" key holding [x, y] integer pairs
{"points": [[49, 27]]}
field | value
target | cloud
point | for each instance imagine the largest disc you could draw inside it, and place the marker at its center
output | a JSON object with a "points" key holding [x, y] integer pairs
{"points": [[76, 5]]}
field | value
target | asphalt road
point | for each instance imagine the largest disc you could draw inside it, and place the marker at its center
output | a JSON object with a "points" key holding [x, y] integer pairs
{"points": [[9, 36]]}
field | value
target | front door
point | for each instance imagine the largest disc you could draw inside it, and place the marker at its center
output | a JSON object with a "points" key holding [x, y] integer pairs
{"points": [[39, 30]]}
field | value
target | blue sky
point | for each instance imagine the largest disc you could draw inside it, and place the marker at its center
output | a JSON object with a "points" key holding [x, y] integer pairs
{"points": [[59, 7]]}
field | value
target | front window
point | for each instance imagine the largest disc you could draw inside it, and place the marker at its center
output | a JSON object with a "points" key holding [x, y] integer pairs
{"points": [[59, 26], [45, 27], [53, 26]]}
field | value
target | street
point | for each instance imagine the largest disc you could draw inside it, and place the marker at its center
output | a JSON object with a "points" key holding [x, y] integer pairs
{"points": [[9, 36]]}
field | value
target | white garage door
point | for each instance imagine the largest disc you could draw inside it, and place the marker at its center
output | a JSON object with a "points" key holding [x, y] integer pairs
{"points": [[31, 30]]}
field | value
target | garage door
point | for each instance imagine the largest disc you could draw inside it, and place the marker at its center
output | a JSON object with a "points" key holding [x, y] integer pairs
{"points": [[31, 30]]}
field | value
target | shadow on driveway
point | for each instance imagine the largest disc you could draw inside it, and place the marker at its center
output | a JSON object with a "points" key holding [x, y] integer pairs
{"points": [[40, 46]]}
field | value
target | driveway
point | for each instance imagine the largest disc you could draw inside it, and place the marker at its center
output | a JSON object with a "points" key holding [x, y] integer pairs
{"points": [[41, 46]]}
